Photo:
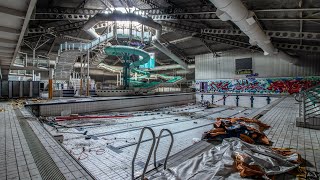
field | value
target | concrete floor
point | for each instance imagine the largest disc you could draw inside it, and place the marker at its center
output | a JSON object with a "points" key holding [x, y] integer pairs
{"points": [[284, 132]]}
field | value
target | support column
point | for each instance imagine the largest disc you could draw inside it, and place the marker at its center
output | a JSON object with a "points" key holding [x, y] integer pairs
{"points": [[130, 31], [50, 85], [33, 60], [126, 72], [142, 33], [80, 91], [81, 77], [117, 79], [88, 70]]}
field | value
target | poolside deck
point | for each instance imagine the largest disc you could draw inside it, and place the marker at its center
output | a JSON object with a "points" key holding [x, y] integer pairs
{"points": [[22, 136]]}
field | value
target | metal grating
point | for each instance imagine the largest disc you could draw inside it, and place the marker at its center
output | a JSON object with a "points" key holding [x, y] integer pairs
{"points": [[47, 168]]}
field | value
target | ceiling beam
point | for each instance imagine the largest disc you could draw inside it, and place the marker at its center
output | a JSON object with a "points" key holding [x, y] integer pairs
{"points": [[208, 46], [287, 10], [6, 49], [276, 34], [3, 54], [8, 41], [31, 6], [12, 12], [9, 30]]}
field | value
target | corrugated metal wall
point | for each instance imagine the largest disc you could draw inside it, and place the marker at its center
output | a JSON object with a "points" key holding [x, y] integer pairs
{"points": [[208, 67]]}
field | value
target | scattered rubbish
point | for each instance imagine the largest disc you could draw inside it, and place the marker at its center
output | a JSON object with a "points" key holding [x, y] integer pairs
{"points": [[249, 130], [66, 112], [94, 137], [195, 140], [18, 103], [112, 140], [235, 159], [58, 138]]}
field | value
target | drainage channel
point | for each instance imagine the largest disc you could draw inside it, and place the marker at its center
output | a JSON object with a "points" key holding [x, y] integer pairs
{"points": [[45, 164]]}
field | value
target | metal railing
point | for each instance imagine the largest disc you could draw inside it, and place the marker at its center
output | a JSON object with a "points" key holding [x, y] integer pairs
{"points": [[121, 33], [137, 149], [142, 176], [168, 152], [309, 106]]}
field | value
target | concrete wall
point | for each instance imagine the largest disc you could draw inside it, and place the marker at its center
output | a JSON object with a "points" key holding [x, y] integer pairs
{"points": [[208, 67], [116, 104], [19, 89], [270, 74]]}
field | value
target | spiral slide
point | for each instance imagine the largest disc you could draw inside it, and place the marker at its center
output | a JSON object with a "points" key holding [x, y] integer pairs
{"points": [[144, 58]]}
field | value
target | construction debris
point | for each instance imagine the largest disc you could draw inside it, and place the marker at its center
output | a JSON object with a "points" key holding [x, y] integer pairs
{"points": [[249, 130], [18, 103]]}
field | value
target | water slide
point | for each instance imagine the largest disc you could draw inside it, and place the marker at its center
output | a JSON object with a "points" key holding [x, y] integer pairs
{"points": [[144, 58]]}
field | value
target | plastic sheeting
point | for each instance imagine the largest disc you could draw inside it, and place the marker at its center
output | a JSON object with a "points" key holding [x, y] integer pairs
{"points": [[220, 163]]}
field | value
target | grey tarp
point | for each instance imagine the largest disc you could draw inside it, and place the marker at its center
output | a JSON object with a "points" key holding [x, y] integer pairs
{"points": [[219, 162]]}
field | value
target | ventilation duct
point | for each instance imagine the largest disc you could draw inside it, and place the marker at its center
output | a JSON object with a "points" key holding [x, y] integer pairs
{"points": [[93, 33], [235, 11]]}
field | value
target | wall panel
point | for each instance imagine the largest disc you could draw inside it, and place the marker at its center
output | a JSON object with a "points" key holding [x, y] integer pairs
{"points": [[209, 67]]}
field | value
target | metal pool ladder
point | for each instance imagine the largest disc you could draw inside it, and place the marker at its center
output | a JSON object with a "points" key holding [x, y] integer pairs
{"points": [[151, 151]]}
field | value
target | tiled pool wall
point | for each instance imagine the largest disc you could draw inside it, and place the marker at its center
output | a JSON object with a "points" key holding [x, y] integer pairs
{"points": [[251, 101], [121, 104]]}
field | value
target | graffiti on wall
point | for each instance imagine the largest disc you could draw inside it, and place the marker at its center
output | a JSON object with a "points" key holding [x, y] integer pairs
{"points": [[258, 85]]}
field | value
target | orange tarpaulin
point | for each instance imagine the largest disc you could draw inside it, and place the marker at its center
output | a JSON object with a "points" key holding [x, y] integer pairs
{"points": [[249, 130]]}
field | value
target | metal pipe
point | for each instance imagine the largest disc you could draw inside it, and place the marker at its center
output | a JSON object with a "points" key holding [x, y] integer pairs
{"points": [[93, 33]]}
